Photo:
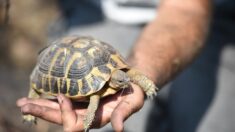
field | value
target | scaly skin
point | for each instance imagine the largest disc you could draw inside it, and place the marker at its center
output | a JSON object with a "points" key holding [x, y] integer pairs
{"points": [[145, 83], [92, 107], [29, 119]]}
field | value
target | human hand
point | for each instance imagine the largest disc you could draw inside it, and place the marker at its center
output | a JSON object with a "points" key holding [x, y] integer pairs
{"points": [[115, 108]]}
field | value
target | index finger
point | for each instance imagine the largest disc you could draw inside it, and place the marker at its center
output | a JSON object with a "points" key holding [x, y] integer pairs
{"points": [[41, 102], [43, 112]]}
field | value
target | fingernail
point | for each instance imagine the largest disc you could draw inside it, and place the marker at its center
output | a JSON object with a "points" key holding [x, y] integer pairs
{"points": [[60, 100]]}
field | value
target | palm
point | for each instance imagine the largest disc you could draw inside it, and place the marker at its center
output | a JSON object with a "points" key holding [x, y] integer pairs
{"points": [[105, 109], [115, 108]]}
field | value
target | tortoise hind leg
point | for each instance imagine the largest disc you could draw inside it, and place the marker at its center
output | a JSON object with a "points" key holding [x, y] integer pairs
{"points": [[29, 119], [92, 107], [145, 83]]}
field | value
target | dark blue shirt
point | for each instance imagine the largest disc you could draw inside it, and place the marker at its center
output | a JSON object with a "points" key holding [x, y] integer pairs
{"points": [[224, 8]]}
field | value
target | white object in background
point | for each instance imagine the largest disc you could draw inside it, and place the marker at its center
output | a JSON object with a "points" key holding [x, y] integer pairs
{"points": [[116, 10]]}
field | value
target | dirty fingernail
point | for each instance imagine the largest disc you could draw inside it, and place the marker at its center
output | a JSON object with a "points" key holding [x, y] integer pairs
{"points": [[60, 100]]}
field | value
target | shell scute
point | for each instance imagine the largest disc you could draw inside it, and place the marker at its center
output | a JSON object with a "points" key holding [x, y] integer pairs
{"points": [[73, 90], [63, 86], [85, 87]]}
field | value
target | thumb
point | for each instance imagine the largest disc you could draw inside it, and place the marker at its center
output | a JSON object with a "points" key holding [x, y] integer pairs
{"points": [[127, 106], [120, 113]]}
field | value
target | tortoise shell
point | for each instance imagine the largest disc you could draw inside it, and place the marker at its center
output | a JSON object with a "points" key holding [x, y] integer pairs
{"points": [[76, 67]]}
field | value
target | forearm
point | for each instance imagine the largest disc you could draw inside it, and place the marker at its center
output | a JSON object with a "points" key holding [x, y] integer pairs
{"points": [[172, 41]]}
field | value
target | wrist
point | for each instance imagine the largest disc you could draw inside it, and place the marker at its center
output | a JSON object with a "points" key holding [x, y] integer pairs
{"points": [[143, 64]]}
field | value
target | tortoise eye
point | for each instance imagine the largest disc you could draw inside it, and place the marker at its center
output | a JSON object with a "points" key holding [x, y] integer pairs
{"points": [[120, 81]]}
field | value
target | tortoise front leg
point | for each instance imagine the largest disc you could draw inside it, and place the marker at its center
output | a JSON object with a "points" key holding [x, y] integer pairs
{"points": [[145, 83], [29, 119], [92, 107]]}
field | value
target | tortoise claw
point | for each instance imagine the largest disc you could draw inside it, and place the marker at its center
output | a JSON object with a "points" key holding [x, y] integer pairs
{"points": [[29, 120], [151, 93]]}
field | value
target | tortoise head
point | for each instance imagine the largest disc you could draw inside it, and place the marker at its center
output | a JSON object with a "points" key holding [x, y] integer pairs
{"points": [[119, 80]]}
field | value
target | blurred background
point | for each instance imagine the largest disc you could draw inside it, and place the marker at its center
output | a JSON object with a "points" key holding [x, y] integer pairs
{"points": [[28, 26]]}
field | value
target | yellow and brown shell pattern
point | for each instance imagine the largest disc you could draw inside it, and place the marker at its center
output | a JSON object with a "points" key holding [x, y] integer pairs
{"points": [[75, 66]]}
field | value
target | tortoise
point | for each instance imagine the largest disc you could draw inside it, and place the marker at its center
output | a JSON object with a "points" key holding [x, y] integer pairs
{"points": [[83, 69]]}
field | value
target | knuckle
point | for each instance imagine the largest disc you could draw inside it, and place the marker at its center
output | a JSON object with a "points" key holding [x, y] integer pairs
{"points": [[26, 108], [128, 106], [133, 106], [41, 111]]}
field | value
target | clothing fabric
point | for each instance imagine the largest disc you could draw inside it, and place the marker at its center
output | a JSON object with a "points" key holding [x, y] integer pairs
{"points": [[202, 97]]}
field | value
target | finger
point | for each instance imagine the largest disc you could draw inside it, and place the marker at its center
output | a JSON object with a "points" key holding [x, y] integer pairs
{"points": [[41, 102], [43, 112], [129, 105], [121, 112], [69, 117]]}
